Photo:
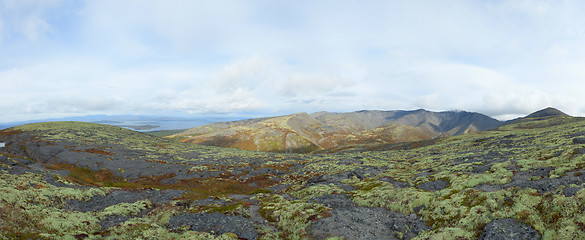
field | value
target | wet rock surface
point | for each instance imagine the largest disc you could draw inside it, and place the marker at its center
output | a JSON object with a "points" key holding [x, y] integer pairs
{"points": [[362, 223], [216, 223], [508, 229]]}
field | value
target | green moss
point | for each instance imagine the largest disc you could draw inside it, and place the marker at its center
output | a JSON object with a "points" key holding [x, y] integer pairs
{"points": [[127, 209], [306, 193], [261, 190], [32, 206], [459, 211], [402, 200], [292, 217]]}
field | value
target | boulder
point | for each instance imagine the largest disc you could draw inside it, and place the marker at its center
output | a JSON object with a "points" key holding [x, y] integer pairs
{"points": [[334, 200], [361, 223], [508, 229], [216, 223], [434, 185]]}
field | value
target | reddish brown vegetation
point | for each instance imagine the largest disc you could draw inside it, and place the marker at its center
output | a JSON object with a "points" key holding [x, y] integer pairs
{"points": [[195, 188], [95, 151]]}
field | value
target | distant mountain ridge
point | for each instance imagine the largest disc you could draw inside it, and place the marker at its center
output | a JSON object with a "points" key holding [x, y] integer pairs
{"points": [[302, 132], [547, 112]]}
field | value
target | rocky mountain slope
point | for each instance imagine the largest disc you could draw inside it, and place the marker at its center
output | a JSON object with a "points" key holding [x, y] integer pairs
{"points": [[88, 181], [304, 132]]}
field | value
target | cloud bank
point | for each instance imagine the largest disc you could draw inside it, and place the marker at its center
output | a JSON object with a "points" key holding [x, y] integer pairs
{"points": [[502, 58]]}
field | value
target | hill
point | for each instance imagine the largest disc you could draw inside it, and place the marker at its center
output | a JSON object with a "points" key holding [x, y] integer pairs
{"points": [[80, 180], [547, 112], [304, 132]]}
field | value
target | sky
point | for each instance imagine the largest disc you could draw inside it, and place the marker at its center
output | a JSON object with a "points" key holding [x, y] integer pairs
{"points": [[507, 58]]}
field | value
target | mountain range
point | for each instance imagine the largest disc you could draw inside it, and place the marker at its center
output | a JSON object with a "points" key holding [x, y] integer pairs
{"points": [[302, 132]]}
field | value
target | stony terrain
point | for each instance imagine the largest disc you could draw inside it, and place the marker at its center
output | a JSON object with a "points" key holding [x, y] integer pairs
{"points": [[78, 180], [304, 133]]}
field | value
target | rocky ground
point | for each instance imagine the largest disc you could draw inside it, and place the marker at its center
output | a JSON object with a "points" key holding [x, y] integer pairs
{"points": [[90, 181]]}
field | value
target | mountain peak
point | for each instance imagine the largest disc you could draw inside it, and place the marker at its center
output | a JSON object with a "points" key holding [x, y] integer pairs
{"points": [[547, 112]]}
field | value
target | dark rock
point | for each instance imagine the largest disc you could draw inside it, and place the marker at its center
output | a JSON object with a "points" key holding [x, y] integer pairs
{"points": [[570, 191], [81, 159], [434, 185], [262, 171], [351, 161], [204, 175], [333, 179], [367, 223], [481, 168], [397, 184], [278, 187], [541, 172], [418, 208], [579, 140], [5, 160], [101, 202], [17, 170], [80, 236], [113, 220], [23, 161], [334, 200], [322, 179], [542, 185], [345, 187], [42, 152], [513, 167], [359, 173], [216, 223], [169, 181], [210, 201], [245, 198], [508, 229], [577, 134]]}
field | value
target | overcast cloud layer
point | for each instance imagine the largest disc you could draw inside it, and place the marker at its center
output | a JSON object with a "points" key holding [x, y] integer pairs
{"points": [[502, 58]]}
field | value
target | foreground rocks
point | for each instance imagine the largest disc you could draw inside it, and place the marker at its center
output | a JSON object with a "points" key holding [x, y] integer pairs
{"points": [[215, 223], [362, 223], [351, 222], [509, 229]]}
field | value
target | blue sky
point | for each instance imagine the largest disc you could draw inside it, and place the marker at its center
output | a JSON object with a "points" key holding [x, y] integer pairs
{"points": [[62, 58]]}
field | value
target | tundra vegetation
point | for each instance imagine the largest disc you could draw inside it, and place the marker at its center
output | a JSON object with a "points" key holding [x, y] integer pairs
{"points": [[73, 180]]}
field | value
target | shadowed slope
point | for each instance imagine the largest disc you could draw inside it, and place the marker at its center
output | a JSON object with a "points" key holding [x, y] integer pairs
{"points": [[547, 112]]}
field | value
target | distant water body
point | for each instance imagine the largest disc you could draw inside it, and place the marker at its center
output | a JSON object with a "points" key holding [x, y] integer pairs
{"points": [[140, 123], [155, 125]]}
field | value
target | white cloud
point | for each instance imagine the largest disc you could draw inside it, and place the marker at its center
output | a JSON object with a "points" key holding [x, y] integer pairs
{"points": [[519, 102], [300, 84], [1, 30], [251, 73], [34, 28], [499, 57]]}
